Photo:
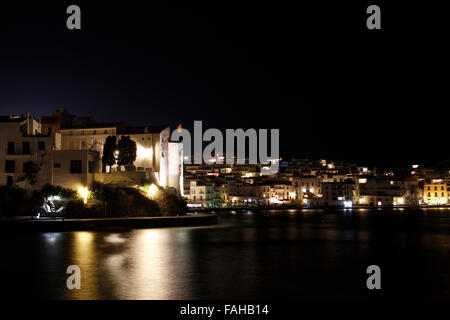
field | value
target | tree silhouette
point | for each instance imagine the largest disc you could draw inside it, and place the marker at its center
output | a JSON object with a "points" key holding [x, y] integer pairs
{"points": [[110, 146], [31, 170], [127, 151]]}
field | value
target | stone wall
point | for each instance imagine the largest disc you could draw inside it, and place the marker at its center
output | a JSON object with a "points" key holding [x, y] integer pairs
{"points": [[122, 178]]}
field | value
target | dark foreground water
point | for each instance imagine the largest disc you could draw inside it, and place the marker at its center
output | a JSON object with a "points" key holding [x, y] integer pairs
{"points": [[271, 254]]}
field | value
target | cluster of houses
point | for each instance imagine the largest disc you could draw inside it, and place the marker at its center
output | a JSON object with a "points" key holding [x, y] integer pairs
{"points": [[66, 150], [308, 183]]}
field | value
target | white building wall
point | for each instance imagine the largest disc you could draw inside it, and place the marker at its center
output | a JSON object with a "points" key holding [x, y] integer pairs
{"points": [[18, 133], [176, 166], [62, 175]]}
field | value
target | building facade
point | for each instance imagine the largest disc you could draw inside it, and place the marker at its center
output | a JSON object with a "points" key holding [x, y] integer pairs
{"points": [[66, 150]]}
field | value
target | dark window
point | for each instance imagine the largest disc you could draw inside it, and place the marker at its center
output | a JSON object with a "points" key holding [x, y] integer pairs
{"points": [[10, 147], [10, 166], [41, 145], [57, 165], [26, 166], [25, 147], [91, 166], [49, 130], [75, 166], [9, 181]]}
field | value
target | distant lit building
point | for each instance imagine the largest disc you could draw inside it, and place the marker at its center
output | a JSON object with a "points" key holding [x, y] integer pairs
{"points": [[202, 195], [337, 194], [276, 193], [435, 192]]}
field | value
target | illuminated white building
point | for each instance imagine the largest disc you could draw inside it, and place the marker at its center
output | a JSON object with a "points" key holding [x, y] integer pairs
{"points": [[152, 143], [68, 151], [203, 195], [22, 143]]}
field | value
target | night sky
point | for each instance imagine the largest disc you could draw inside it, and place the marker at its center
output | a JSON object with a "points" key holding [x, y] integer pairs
{"points": [[334, 88]]}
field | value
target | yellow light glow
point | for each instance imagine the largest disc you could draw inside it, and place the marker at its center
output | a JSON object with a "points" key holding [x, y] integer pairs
{"points": [[150, 236], [114, 238], [84, 236], [152, 190], [83, 192], [144, 152], [362, 180]]}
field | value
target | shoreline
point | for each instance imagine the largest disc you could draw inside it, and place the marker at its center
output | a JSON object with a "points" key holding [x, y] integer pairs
{"points": [[99, 224], [263, 208]]}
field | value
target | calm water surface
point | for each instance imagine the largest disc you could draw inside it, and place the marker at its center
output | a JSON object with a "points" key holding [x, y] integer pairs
{"points": [[249, 255]]}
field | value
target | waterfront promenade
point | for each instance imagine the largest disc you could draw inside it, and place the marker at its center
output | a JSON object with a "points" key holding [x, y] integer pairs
{"points": [[61, 224]]}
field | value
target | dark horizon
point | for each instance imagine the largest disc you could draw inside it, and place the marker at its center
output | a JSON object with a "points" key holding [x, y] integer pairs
{"points": [[335, 89]]}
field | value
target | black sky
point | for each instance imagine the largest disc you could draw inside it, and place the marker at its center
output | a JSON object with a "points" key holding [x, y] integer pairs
{"points": [[334, 88]]}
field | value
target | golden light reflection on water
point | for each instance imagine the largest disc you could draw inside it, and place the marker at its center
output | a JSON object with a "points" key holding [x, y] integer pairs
{"points": [[236, 259], [157, 264], [139, 264], [84, 255]]}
